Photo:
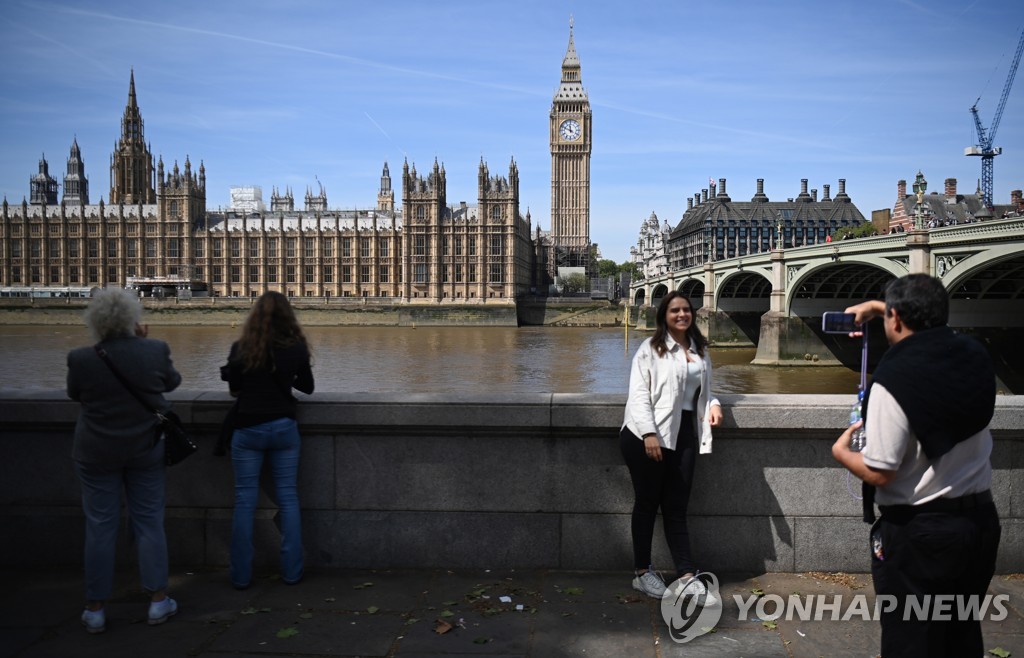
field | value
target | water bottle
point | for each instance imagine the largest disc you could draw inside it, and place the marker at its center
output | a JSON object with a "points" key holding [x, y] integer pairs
{"points": [[857, 439]]}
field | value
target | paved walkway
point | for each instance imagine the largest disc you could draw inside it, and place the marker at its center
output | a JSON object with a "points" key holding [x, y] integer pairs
{"points": [[400, 613]]}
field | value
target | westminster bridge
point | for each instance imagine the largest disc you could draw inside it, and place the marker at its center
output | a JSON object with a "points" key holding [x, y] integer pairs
{"points": [[774, 300]]}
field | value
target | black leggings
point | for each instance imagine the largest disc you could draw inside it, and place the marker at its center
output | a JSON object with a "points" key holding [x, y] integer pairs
{"points": [[665, 484]]}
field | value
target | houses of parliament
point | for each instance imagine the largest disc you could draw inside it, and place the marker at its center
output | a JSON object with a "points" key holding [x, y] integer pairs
{"points": [[155, 227]]}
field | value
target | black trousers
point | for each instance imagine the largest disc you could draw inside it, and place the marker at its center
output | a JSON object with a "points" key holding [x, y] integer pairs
{"points": [[928, 554], [665, 485]]}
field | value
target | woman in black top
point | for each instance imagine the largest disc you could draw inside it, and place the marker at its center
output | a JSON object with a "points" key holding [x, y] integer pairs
{"points": [[269, 360]]}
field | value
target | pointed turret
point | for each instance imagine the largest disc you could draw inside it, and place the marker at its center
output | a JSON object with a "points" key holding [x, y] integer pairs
{"points": [[76, 185], [131, 165], [571, 87]]}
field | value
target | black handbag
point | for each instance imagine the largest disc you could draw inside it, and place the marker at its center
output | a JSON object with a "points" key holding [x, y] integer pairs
{"points": [[177, 443]]}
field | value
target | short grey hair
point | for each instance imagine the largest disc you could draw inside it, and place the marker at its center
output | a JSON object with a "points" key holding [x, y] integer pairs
{"points": [[113, 312]]}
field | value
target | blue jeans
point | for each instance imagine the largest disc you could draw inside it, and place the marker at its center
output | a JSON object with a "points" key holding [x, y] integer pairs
{"points": [[142, 480], [278, 441]]}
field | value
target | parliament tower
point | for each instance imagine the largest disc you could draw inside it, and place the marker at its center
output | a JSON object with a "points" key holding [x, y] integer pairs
{"points": [[570, 137]]}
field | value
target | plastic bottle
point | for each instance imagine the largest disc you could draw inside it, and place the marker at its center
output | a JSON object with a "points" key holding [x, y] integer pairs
{"points": [[857, 439]]}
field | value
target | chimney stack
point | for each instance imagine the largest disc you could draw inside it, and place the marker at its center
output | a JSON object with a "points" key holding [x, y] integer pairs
{"points": [[689, 204], [722, 196], [901, 190], [814, 194], [1017, 199], [824, 194], [760, 196], [696, 199], [950, 190], [704, 194], [842, 190]]}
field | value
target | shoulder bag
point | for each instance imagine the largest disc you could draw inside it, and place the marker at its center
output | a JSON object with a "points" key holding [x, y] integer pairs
{"points": [[177, 443]]}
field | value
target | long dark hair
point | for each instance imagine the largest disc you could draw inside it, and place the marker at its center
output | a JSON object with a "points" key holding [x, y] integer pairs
{"points": [[697, 340], [270, 324]]}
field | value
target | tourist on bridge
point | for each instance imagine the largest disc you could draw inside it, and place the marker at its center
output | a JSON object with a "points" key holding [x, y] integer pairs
{"points": [[115, 449], [270, 359], [669, 414]]}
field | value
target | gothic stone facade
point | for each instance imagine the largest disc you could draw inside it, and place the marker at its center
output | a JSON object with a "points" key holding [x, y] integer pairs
{"points": [[157, 225]]}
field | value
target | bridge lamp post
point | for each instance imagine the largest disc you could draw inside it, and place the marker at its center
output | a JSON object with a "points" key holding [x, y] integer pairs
{"points": [[920, 187]]}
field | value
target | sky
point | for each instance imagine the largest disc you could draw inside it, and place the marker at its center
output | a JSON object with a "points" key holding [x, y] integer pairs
{"points": [[308, 92]]}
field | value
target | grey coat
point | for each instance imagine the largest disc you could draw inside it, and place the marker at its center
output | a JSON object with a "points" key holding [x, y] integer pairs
{"points": [[112, 426]]}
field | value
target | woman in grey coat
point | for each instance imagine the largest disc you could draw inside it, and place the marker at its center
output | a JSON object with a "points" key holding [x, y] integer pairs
{"points": [[115, 450]]}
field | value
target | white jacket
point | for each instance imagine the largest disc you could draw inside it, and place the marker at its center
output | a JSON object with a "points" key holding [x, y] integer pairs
{"points": [[657, 390]]}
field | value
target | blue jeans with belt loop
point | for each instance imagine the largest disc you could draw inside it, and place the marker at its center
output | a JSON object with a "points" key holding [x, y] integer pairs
{"points": [[278, 441], [142, 481]]}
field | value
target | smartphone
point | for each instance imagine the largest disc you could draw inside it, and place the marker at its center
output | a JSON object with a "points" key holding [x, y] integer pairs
{"points": [[835, 322]]}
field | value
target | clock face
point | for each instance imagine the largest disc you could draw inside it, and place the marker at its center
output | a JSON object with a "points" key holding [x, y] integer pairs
{"points": [[569, 130]]}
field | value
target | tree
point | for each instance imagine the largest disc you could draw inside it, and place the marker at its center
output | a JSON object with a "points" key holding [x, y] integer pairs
{"points": [[632, 269], [575, 282], [606, 267], [860, 231]]}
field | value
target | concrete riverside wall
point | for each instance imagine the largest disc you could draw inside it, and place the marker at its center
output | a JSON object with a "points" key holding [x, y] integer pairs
{"points": [[230, 311], [522, 481]]}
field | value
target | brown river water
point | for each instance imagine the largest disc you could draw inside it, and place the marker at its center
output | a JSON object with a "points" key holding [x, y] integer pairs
{"points": [[424, 360]]}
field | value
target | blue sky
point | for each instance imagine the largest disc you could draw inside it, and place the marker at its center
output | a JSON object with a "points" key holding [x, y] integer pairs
{"points": [[288, 93]]}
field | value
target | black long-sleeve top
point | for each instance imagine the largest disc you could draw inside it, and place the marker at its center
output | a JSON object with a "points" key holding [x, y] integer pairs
{"points": [[265, 395]]}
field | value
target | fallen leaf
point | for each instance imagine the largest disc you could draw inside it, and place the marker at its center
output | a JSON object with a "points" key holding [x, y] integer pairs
{"points": [[441, 627], [770, 625], [447, 613], [330, 599], [448, 603], [757, 591], [373, 610], [999, 652], [306, 615], [287, 632]]}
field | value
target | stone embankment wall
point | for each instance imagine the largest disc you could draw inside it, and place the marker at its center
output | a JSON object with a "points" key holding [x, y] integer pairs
{"points": [[334, 312], [522, 481]]}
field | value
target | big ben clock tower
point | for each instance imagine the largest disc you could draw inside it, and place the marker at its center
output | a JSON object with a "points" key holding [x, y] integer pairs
{"points": [[570, 167]]}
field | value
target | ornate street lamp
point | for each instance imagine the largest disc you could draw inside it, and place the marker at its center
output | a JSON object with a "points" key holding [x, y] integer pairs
{"points": [[920, 187]]}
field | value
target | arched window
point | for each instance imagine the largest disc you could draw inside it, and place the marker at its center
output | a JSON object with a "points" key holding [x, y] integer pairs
{"points": [[421, 212], [496, 213]]}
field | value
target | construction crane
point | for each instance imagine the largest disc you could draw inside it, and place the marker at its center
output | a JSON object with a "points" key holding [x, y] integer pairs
{"points": [[984, 146]]}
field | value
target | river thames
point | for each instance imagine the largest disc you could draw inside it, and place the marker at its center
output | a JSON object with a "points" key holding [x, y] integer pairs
{"points": [[423, 360]]}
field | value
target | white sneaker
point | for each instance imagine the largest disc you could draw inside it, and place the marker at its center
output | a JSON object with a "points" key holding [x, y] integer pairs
{"points": [[696, 588], [95, 621], [650, 583], [160, 611]]}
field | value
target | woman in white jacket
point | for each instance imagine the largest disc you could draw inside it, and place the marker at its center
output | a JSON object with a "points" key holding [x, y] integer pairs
{"points": [[668, 419]]}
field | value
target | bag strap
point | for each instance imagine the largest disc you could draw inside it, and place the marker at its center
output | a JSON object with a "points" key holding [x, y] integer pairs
{"points": [[102, 353]]}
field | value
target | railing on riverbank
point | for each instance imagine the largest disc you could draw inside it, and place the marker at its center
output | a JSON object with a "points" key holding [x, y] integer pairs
{"points": [[520, 481]]}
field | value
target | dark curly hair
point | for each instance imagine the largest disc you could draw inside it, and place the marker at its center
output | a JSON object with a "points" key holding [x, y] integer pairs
{"points": [[271, 323], [697, 339]]}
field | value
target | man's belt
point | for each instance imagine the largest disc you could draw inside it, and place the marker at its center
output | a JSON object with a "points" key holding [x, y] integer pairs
{"points": [[941, 505]]}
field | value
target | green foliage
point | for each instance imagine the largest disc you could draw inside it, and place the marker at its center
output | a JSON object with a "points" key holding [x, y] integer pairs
{"points": [[575, 282], [849, 232], [607, 267]]}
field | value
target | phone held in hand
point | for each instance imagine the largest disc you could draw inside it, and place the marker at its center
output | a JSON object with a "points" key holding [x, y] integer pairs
{"points": [[835, 322]]}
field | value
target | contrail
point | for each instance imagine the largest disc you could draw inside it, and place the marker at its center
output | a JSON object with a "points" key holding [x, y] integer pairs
{"points": [[284, 46], [384, 132]]}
